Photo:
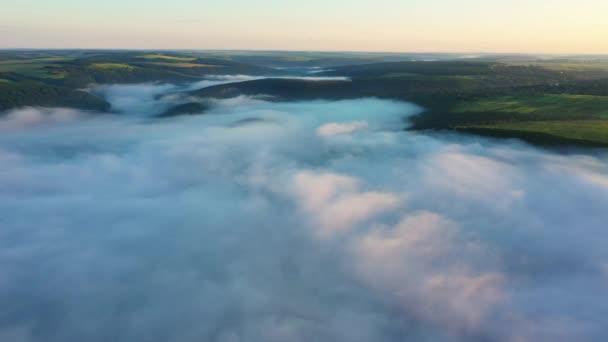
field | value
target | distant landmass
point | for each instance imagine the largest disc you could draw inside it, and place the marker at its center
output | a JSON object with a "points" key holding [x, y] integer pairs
{"points": [[549, 101]]}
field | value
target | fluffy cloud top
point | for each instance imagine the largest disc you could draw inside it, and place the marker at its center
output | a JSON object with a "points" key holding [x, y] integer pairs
{"points": [[29, 117], [336, 202], [331, 129]]}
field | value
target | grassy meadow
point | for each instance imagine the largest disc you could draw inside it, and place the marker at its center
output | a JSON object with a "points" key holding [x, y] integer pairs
{"points": [[583, 132]]}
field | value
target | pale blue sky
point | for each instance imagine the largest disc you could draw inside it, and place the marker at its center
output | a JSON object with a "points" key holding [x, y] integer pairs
{"points": [[545, 26]]}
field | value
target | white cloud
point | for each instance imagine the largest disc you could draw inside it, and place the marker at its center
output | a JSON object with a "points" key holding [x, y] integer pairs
{"points": [[121, 226], [334, 128], [422, 264], [336, 202], [32, 117], [473, 177]]}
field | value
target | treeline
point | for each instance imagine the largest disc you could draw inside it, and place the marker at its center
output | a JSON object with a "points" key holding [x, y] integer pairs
{"points": [[33, 94]]}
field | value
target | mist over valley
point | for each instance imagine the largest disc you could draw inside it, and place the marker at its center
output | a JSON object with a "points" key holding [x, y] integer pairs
{"points": [[265, 217]]}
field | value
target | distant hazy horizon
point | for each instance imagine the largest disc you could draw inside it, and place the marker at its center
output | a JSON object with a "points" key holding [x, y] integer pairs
{"points": [[458, 54], [438, 26]]}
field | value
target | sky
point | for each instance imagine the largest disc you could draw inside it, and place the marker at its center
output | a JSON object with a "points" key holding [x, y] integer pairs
{"points": [[536, 26]]}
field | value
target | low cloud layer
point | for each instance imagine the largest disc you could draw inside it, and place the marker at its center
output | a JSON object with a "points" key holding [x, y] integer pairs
{"points": [[314, 221], [154, 98], [31, 117]]}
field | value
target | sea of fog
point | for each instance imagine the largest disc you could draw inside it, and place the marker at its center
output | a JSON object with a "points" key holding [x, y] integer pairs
{"points": [[303, 221]]}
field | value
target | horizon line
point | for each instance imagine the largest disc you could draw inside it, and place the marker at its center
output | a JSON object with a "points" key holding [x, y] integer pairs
{"points": [[305, 51]]}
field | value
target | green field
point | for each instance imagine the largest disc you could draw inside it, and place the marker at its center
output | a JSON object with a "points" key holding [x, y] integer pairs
{"points": [[542, 118], [570, 65], [44, 60], [36, 67], [27, 69], [111, 66], [183, 65], [167, 57], [590, 132], [557, 105]]}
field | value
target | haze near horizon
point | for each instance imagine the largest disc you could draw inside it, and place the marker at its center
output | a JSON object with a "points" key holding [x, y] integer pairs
{"points": [[518, 26]]}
